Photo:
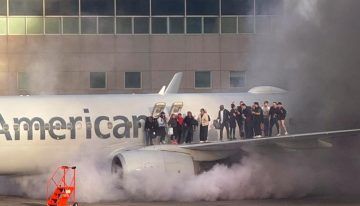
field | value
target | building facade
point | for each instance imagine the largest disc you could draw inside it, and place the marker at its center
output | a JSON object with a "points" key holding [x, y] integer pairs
{"points": [[129, 46]]}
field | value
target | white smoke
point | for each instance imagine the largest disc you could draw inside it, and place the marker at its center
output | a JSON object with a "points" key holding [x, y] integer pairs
{"points": [[264, 174]]}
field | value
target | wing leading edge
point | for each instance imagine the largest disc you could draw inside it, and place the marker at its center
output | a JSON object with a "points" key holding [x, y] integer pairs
{"points": [[297, 141]]}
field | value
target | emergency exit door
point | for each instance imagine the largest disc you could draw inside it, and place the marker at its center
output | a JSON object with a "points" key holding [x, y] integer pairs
{"points": [[158, 108], [176, 108]]}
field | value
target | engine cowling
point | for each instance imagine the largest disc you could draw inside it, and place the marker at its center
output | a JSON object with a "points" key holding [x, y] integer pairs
{"points": [[153, 161]]}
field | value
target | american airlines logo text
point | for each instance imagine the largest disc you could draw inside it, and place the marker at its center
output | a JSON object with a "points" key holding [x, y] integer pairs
{"points": [[119, 126]]}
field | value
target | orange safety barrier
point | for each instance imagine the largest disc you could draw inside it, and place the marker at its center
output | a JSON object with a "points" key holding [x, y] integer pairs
{"points": [[63, 191]]}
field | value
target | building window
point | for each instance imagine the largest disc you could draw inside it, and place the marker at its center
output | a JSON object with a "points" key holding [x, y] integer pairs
{"points": [[97, 7], [132, 80], [237, 78], [61, 7], [203, 79], [168, 7], [97, 80], [3, 7], [268, 7], [228, 25], [52, 25], [176, 25], [34, 25], [141, 25], [88, 25], [202, 7], [159, 25], [246, 25], [23, 80], [211, 25], [132, 7], [16, 25], [106, 25], [3, 25], [193, 25], [124, 25], [70, 25], [237, 7], [26, 7]]}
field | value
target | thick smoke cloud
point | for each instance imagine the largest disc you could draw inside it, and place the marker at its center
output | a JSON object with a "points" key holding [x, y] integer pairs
{"points": [[272, 174], [314, 54]]}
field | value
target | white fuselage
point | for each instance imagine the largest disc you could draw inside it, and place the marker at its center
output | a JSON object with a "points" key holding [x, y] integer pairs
{"points": [[38, 132]]}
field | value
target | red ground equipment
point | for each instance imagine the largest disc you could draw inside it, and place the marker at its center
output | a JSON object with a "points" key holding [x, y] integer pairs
{"points": [[62, 183]]}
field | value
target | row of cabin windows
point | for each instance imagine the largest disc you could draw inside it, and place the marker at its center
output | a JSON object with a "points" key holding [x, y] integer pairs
{"points": [[133, 80], [56, 126], [139, 7]]}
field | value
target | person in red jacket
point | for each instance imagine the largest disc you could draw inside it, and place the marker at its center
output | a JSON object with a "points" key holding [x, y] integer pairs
{"points": [[180, 127]]}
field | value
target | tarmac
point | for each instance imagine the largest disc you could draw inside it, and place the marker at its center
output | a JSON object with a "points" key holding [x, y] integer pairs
{"points": [[310, 201]]}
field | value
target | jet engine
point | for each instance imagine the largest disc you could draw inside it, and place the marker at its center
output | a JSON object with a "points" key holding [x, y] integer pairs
{"points": [[153, 161]]}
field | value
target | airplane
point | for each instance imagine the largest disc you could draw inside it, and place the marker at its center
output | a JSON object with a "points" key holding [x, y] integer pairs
{"points": [[38, 133]]}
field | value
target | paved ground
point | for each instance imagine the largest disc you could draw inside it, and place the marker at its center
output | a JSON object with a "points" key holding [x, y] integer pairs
{"points": [[314, 201]]}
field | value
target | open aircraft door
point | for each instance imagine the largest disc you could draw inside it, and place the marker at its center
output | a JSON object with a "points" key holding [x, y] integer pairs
{"points": [[158, 108], [176, 108]]}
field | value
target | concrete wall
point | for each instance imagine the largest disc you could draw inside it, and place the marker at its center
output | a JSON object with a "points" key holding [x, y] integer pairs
{"points": [[60, 64]]}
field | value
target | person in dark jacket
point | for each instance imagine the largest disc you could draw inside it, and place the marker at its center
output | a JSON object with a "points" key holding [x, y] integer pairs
{"points": [[224, 118], [248, 117], [281, 114], [257, 118], [232, 121], [172, 123], [240, 120], [188, 128], [273, 119], [150, 130]]}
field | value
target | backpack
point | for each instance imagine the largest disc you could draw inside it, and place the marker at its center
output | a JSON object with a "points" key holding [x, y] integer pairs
{"points": [[209, 118]]}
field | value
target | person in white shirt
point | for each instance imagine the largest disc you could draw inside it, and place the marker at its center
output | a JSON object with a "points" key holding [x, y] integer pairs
{"points": [[162, 127], [266, 116]]}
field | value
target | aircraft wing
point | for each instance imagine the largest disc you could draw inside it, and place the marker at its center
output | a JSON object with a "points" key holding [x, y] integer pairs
{"points": [[297, 141]]}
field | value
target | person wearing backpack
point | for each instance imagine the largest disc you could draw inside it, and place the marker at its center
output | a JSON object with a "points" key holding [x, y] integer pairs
{"points": [[204, 120]]}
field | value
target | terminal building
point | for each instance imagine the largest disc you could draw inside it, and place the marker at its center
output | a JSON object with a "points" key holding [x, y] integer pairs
{"points": [[129, 46]]}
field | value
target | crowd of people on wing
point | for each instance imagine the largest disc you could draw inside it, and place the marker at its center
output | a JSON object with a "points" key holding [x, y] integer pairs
{"points": [[253, 122]]}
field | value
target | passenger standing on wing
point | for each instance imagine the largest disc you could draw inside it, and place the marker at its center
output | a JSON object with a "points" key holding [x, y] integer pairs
{"points": [[150, 130], [204, 120], [248, 116], [232, 121], [273, 119], [180, 127], [257, 117], [188, 128], [266, 109], [162, 127], [281, 113], [240, 120], [223, 118], [172, 129]]}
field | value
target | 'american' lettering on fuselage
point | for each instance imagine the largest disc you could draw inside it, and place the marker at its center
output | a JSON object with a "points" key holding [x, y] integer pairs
{"points": [[119, 126]]}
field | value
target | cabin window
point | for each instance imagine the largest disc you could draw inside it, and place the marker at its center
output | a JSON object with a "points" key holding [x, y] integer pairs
{"points": [[37, 126]]}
